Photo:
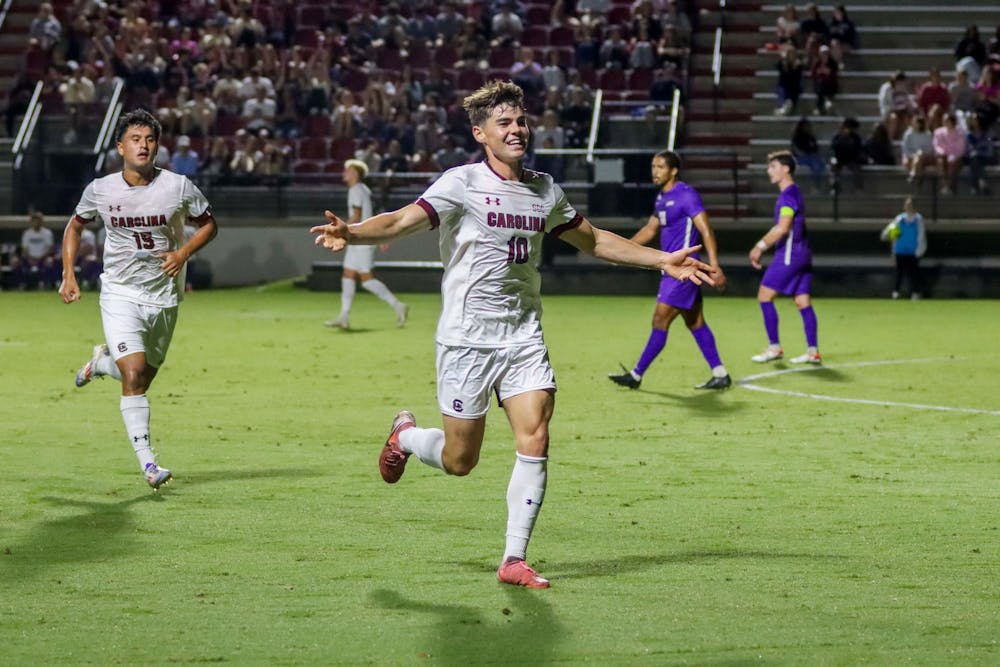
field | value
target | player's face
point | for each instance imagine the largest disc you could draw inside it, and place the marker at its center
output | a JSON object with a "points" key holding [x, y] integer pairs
{"points": [[138, 147], [776, 171], [505, 133], [662, 173]]}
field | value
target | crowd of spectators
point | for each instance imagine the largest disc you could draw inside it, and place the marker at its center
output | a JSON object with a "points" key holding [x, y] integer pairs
{"points": [[297, 88], [944, 123]]}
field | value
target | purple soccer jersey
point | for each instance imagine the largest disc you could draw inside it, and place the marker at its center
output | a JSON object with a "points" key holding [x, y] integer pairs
{"points": [[676, 209], [790, 272]]}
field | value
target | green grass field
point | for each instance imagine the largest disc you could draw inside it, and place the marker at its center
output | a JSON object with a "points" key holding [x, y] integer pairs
{"points": [[678, 528]]}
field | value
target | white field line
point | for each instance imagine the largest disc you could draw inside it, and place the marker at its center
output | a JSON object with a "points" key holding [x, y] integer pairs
{"points": [[749, 383]]}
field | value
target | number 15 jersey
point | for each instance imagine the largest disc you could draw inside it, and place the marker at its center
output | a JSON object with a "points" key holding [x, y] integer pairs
{"points": [[491, 241], [142, 221]]}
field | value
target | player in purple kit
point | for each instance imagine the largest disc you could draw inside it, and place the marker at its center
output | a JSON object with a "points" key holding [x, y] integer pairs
{"points": [[791, 271], [680, 219]]}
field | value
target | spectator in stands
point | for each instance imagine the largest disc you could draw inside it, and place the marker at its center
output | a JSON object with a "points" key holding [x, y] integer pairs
{"points": [[77, 89], [394, 162], [392, 20], [251, 84], [37, 256], [614, 50], [674, 18], [402, 130], [665, 82], [642, 53], [506, 26], [970, 46], [993, 49], [670, 50], [980, 153], [949, 147], [226, 93], [198, 114], [553, 73], [472, 46], [826, 82], [450, 154], [259, 112], [933, 99], [576, 118], [848, 153], [909, 242], [527, 73], [346, 115], [216, 166], [369, 154], [962, 94], [449, 23], [895, 104], [814, 24], [424, 162], [550, 128], [88, 259], [184, 160], [45, 29], [18, 98], [271, 168], [988, 88], [843, 34], [244, 29], [805, 148], [553, 100], [645, 15], [789, 81], [878, 146], [241, 161], [429, 134], [788, 28], [437, 82], [917, 149]]}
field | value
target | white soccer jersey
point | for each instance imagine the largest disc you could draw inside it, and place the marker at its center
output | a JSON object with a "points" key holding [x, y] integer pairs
{"points": [[491, 240], [142, 221], [359, 196]]}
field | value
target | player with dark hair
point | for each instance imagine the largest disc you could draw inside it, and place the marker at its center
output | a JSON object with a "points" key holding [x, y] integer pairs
{"points": [[144, 210], [679, 218], [491, 217], [791, 271]]}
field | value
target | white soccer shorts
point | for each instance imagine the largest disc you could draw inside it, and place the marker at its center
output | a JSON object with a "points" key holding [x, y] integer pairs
{"points": [[133, 327], [359, 258], [466, 376]]}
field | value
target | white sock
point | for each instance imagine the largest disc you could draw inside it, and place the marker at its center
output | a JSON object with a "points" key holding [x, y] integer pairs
{"points": [[524, 500], [425, 443], [719, 371], [135, 414], [107, 366], [347, 289], [378, 288]]}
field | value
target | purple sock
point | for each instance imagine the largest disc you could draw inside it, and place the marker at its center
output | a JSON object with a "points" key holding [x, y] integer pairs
{"points": [[706, 343], [657, 340], [770, 321], [811, 326]]}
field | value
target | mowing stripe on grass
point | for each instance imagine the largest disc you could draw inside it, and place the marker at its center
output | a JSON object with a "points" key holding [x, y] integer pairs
{"points": [[748, 383]]}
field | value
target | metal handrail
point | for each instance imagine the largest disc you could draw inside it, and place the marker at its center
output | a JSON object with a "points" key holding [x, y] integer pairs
{"points": [[595, 122], [27, 127], [674, 113], [717, 59], [4, 11], [109, 113]]}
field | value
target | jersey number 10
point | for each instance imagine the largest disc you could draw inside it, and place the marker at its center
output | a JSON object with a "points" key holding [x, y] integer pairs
{"points": [[517, 250]]}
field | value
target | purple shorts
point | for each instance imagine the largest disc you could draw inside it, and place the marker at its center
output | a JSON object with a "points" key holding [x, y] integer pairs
{"points": [[788, 279], [678, 294]]}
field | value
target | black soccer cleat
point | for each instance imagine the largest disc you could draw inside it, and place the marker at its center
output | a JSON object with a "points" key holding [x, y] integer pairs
{"points": [[625, 379], [717, 383]]}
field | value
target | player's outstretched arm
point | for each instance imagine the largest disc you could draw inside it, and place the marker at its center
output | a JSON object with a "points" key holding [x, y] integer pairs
{"points": [[381, 228], [69, 290], [616, 249]]}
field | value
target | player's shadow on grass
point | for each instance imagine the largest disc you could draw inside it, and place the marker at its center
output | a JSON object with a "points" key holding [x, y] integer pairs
{"points": [[610, 567], [707, 402], [103, 531], [830, 374], [524, 632], [196, 477]]}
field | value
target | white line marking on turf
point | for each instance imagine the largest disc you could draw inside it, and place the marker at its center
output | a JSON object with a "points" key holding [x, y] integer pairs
{"points": [[748, 383]]}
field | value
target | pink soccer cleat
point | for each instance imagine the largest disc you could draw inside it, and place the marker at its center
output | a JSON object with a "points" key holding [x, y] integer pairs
{"points": [[392, 460], [515, 571]]}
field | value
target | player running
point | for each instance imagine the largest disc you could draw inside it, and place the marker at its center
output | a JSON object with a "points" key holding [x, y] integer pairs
{"points": [[491, 217], [680, 219], [143, 210], [791, 270]]}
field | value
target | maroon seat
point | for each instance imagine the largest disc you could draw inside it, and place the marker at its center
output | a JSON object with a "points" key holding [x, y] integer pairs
{"points": [[640, 80], [316, 125], [342, 149], [311, 15], [469, 79], [314, 148], [561, 36], [611, 78], [502, 57], [535, 35]]}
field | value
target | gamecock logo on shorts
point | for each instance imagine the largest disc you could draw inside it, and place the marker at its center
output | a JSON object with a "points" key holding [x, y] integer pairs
{"points": [[456, 405], [122, 347]]}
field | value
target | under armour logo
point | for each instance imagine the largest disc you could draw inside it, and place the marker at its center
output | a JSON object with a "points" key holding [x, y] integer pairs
{"points": [[145, 437], [493, 200], [112, 207], [529, 501]]}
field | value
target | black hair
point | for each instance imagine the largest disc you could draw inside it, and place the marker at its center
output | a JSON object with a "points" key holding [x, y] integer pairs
{"points": [[784, 158], [139, 117], [672, 158]]}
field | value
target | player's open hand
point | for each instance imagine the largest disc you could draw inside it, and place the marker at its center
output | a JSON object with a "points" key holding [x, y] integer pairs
{"points": [[173, 262], [681, 266], [69, 290], [332, 236]]}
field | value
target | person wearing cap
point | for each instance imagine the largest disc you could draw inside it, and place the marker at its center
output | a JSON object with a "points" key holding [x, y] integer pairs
{"points": [[184, 161], [358, 259], [825, 81]]}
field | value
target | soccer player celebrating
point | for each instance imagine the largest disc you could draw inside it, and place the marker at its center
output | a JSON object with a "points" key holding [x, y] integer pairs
{"points": [[679, 218], [491, 217], [359, 259], [791, 271], [143, 210]]}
